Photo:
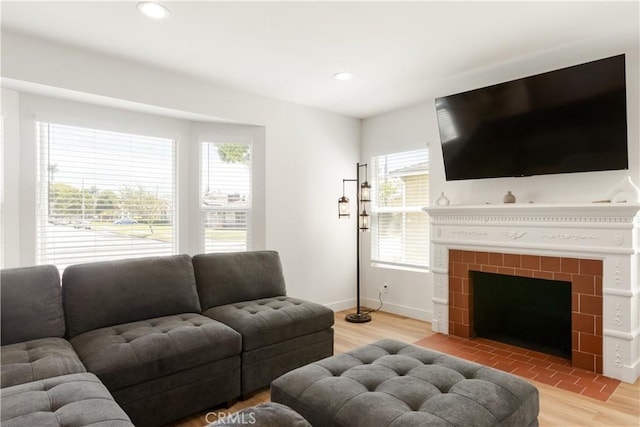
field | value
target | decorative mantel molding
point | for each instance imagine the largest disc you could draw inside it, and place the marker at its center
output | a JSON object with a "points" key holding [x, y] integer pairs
{"points": [[604, 231], [528, 210], [589, 213]]}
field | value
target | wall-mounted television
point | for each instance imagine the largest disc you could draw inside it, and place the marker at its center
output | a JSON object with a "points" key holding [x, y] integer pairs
{"points": [[569, 120]]}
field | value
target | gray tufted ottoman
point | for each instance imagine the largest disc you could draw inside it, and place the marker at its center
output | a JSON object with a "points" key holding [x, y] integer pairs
{"points": [[268, 414], [68, 400], [389, 383]]}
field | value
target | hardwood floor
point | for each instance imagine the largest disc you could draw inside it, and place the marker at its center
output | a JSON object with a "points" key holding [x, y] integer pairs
{"points": [[557, 407]]}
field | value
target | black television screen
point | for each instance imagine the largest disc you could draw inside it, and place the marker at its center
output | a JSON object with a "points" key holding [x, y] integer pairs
{"points": [[568, 120]]}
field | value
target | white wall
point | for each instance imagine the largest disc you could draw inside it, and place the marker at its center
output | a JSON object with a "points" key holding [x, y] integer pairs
{"points": [[410, 292], [307, 151], [10, 255], [416, 126]]}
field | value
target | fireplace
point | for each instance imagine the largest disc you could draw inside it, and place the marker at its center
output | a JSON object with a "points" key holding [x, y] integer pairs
{"points": [[522, 311], [585, 309], [594, 247]]}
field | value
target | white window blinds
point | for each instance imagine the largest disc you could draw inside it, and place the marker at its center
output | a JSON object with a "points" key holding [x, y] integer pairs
{"points": [[225, 190], [2, 210], [400, 229], [103, 195]]}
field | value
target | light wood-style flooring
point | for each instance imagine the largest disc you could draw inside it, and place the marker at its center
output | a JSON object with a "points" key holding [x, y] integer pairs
{"points": [[557, 407]]}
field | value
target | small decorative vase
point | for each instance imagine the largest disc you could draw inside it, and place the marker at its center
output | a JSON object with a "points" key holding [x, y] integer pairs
{"points": [[442, 200], [509, 198]]}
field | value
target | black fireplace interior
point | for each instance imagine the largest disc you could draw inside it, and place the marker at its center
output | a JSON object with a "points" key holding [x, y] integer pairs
{"points": [[523, 311]]}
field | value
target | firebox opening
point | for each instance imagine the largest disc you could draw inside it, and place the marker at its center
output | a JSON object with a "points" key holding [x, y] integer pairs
{"points": [[523, 311]]}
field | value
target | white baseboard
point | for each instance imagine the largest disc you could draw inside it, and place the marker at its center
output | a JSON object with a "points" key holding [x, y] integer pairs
{"points": [[402, 310], [342, 305]]}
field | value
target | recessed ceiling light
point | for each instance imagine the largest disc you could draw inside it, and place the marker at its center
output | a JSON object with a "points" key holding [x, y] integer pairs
{"points": [[153, 10], [343, 75]]}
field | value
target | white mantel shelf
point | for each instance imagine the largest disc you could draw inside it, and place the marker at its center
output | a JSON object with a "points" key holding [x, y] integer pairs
{"points": [[540, 209], [598, 228], [605, 231]]}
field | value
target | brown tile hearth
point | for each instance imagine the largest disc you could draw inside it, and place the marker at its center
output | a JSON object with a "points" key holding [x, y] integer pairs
{"points": [[585, 276], [533, 365]]}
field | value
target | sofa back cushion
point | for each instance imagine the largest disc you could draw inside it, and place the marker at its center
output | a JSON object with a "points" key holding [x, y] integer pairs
{"points": [[241, 276], [31, 304], [101, 294]]}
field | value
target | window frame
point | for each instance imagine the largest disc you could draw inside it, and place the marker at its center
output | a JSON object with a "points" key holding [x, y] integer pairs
{"points": [[43, 216], [248, 211], [376, 210]]}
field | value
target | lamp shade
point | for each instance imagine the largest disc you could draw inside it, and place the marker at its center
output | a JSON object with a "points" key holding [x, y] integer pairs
{"points": [[365, 192], [364, 220], [343, 207]]}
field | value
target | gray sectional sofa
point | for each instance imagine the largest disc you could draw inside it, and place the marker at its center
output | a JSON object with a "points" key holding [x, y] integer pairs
{"points": [[44, 382], [32, 327], [166, 336], [279, 333]]}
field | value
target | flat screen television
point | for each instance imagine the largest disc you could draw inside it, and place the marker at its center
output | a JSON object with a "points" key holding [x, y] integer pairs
{"points": [[563, 121]]}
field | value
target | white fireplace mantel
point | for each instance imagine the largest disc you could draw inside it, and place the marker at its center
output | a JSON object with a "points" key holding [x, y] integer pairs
{"points": [[605, 231]]}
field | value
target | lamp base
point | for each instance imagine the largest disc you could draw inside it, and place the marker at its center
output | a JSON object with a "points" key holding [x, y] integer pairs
{"points": [[358, 317]]}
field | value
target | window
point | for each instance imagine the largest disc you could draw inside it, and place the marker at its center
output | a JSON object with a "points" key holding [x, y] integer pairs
{"points": [[400, 229], [225, 196], [103, 195], [2, 214]]}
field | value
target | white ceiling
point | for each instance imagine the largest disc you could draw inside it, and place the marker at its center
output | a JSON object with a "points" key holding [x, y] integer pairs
{"points": [[398, 51]]}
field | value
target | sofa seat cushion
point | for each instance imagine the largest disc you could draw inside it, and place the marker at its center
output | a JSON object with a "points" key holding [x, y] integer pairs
{"points": [[132, 353], [268, 321], [36, 360], [69, 400]]}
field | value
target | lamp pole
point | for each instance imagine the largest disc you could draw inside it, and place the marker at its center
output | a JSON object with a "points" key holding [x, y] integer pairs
{"points": [[361, 225]]}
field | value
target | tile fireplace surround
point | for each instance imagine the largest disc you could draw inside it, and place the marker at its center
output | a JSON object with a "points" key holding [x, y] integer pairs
{"points": [[596, 247]]}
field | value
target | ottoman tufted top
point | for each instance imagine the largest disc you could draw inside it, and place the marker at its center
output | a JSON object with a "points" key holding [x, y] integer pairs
{"points": [[389, 383]]}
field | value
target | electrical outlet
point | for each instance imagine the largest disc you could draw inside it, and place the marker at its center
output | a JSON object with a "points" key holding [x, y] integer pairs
{"points": [[385, 288]]}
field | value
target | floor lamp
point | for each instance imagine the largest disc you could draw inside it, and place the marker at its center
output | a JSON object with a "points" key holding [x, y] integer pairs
{"points": [[363, 196]]}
